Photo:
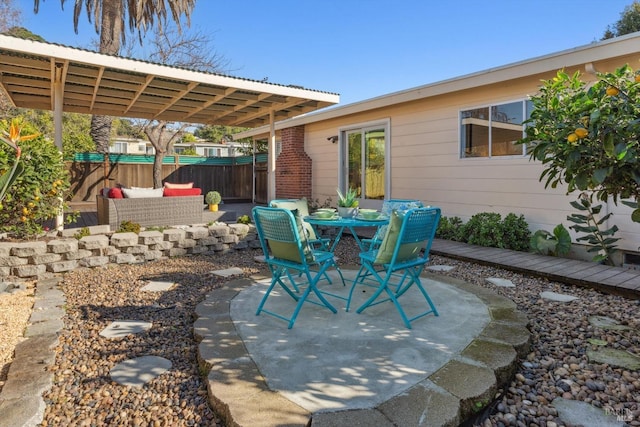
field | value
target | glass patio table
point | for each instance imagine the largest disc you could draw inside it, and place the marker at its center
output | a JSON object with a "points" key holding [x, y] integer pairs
{"points": [[350, 223]]}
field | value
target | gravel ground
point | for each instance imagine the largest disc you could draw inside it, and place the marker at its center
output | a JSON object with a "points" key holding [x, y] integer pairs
{"points": [[15, 310], [84, 395]]}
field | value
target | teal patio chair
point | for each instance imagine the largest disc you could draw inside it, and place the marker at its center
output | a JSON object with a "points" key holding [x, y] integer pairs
{"points": [[388, 206], [287, 251], [301, 206], [401, 257]]}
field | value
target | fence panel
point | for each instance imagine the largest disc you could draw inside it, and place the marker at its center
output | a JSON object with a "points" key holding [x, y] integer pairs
{"points": [[232, 180]]}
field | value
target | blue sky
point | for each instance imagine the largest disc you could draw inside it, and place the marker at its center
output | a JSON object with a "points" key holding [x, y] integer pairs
{"points": [[366, 48]]}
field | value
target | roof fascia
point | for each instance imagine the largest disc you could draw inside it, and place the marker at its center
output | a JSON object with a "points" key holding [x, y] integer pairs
{"points": [[619, 46], [62, 53]]}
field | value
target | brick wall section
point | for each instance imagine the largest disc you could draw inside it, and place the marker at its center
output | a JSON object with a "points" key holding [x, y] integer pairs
{"points": [[293, 166]]}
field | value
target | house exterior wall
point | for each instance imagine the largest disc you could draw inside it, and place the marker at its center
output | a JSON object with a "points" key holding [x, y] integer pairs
{"points": [[425, 159]]}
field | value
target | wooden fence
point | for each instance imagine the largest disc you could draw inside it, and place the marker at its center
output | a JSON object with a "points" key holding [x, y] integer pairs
{"points": [[232, 177]]}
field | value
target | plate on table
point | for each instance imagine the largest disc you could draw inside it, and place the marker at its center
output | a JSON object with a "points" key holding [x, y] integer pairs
{"points": [[379, 217], [328, 216]]}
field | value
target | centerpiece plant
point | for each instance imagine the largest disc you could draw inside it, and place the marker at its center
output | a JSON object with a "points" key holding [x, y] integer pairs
{"points": [[347, 202]]}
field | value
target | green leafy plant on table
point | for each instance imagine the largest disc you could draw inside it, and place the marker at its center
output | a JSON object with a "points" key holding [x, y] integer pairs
{"points": [[587, 136], [348, 199]]}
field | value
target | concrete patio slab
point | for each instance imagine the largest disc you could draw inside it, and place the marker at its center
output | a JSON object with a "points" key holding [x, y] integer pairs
{"points": [[330, 368]]}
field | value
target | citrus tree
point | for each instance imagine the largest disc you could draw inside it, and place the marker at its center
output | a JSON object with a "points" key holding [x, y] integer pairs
{"points": [[587, 134], [35, 195]]}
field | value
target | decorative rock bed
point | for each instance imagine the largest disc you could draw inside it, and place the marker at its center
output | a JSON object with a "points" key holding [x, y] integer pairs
{"points": [[42, 259]]}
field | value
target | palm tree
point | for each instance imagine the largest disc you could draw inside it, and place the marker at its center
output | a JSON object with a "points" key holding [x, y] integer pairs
{"points": [[109, 17]]}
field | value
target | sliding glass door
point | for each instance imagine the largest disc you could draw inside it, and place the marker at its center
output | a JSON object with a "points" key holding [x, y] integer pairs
{"points": [[364, 165]]}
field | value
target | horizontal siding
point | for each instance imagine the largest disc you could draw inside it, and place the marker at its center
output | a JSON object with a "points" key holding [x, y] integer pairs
{"points": [[425, 162]]}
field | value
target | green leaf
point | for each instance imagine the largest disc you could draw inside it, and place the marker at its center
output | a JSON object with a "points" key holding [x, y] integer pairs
{"points": [[599, 175], [564, 240], [635, 215], [582, 181], [608, 145], [577, 205], [630, 203]]}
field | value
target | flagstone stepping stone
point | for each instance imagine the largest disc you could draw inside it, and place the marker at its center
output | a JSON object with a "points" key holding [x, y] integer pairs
{"points": [[122, 328], [554, 296], [607, 323], [502, 283], [577, 412], [154, 286], [614, 357], [440, 268], [228, 272], [139, 371]]}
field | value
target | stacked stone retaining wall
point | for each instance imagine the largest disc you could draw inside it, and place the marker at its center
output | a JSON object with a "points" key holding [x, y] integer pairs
{"points": [[65, 252]]}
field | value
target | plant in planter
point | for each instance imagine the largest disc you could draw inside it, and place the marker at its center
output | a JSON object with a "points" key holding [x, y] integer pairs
{"points": [[347, 202], [213, 198]]}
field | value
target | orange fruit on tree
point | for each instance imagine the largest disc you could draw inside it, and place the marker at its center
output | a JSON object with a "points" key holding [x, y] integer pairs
{"points": [[638, 78], [572, 137], [612, 91], [581, 133]]}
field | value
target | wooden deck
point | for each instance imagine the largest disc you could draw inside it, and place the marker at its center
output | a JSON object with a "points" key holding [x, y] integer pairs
{"points": [[613, 280]]}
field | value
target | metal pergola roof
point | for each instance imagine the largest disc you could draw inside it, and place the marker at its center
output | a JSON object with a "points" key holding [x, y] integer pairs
{"points": [[94, 83]]}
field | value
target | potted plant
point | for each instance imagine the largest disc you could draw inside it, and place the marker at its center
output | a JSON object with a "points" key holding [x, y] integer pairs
{"points": [[347, 202], [213, 198]]}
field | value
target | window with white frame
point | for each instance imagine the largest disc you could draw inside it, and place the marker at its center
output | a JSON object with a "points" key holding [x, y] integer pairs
{"points": [[493, 131]]}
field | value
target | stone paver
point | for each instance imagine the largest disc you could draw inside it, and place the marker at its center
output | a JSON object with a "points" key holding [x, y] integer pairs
{"points": [[586, 415], [155, 286], [228, 272], [554, 296], [140, 370], [122, 328], [440, 268], [501, 283]]}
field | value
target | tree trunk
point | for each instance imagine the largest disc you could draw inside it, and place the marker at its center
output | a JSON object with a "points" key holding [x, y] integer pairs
{"points": [[157, 168], [110, 37]]}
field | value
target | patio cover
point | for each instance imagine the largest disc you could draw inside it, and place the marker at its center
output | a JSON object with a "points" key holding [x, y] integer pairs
{"points": [[53, 77]]}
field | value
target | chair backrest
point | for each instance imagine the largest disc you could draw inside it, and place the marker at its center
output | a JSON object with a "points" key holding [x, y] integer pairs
{"points": [[302, 206], [281, 235], [408, 234], [402, 205]]}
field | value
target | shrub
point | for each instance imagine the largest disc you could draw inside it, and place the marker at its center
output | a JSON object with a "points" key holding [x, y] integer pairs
{"points": [[244, 219], [39, 192], [450, 229], [516, 232], [129, 227], [484, 229]]}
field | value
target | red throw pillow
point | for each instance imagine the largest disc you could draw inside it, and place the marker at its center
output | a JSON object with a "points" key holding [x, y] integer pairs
{"points": [[116, 193], [174, 192]]}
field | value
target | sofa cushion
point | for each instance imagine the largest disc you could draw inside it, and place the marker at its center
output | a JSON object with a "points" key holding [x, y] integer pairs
{"points": [[176, 185], [175, 192], [138, 193], [115, 193]]}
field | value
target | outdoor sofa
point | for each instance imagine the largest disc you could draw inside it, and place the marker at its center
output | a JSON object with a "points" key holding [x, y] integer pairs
{"points": [[150, 207]]}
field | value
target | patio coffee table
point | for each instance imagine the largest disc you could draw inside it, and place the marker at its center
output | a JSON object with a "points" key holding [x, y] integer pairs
{"points": [[349, 223]]}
